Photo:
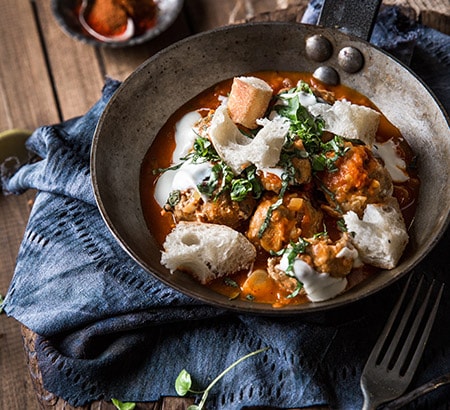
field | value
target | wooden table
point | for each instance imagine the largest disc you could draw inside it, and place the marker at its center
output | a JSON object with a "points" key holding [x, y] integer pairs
{"points": [[47, 77]]}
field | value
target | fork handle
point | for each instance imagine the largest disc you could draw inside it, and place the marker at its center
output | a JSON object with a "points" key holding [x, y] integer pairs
{"points": [[369, 402], [419, 391]]}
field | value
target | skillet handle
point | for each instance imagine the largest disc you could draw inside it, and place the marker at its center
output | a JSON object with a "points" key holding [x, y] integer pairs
{"points": [[355, 17]]}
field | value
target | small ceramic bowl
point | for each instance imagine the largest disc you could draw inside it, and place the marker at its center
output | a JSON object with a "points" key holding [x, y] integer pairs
{"points": [[12, 144], [66, 15]]}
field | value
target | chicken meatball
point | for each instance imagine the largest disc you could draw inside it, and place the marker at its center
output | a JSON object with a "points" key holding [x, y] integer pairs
{"points": [[221, 210], [358, 179], [276, 223], [323, 255]]}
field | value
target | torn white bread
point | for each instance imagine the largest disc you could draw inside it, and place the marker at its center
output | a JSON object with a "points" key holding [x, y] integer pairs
{"points": [[238, 150], [381, 236], [348, 120], [207, 251], [248, 100]]}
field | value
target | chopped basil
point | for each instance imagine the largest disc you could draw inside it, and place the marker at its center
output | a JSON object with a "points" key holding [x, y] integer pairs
{"points": [[171, 168], [329, 153], [240, 189], [174, 198], [309, 129], [257, 188], [303, 124], [296, 291], [341, 225], [331, 195], [230, 282], [208, 186], [294, 250], [285, 178], [204, 149], [222, 179]]}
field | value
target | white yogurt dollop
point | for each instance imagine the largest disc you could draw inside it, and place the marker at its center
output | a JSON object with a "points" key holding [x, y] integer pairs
{"points": [[395, 165], [185, 135], [189, 175], [318, 286]]}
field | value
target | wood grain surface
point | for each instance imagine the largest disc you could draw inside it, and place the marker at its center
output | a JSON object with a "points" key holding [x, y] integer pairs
{"points": [[47, 77]]}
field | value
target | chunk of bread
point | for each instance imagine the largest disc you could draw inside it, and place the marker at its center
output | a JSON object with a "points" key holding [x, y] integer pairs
{"points": [[248, 100], [207, 251], [238, 150], [381, 236], [349, 120]]}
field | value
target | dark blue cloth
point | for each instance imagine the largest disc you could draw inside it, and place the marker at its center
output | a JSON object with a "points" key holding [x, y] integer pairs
{"points": [[108, 329]]}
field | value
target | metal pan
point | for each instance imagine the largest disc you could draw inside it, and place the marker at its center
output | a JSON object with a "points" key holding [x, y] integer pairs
{"points": [[145, 101]]}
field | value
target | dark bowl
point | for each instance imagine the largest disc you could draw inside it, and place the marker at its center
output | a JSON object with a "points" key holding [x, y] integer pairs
{"points": [[66, 17], [146, 100]]}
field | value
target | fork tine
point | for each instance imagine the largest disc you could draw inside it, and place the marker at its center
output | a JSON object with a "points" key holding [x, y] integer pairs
{"points": [[375, 354], [414, 328], [401, 327], [394, 359], [426, 332]]}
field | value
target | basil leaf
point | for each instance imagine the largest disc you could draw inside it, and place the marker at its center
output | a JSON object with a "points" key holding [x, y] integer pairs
{"points": [[296, 291], [174, 198], [240, 188], [208, 186], [294, 250]]}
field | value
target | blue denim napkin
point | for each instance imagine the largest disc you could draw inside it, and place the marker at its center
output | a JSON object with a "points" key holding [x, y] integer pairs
{"points": [[107, 329]]}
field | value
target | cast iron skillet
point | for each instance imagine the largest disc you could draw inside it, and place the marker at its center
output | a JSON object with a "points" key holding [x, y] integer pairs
{"points": [[145, 101]]}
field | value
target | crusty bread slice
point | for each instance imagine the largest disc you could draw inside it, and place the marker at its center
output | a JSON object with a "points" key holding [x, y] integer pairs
{"points": [[238, 150], [349, 120], [381, 236], [207, 251], [248, 100]]}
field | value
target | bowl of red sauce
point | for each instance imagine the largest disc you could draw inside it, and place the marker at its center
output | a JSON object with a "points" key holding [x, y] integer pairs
{"points": [[115, 23]]}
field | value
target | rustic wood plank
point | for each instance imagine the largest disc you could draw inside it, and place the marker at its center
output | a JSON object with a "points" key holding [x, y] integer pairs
{"points": [[436, 20], [16, 389], [74, 66], [25, 87]]}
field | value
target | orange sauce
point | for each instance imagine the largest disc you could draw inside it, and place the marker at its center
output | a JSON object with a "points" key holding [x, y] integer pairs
{"points": [[160, 153]]}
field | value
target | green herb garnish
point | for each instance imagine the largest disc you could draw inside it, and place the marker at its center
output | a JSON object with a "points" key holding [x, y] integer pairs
{"points": [[285, 179], [341, 225], [294, 250], [174, 198], [230, 282], [123, 406], [309, 129], [296, 291], [183, 382], [303, 124]]}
